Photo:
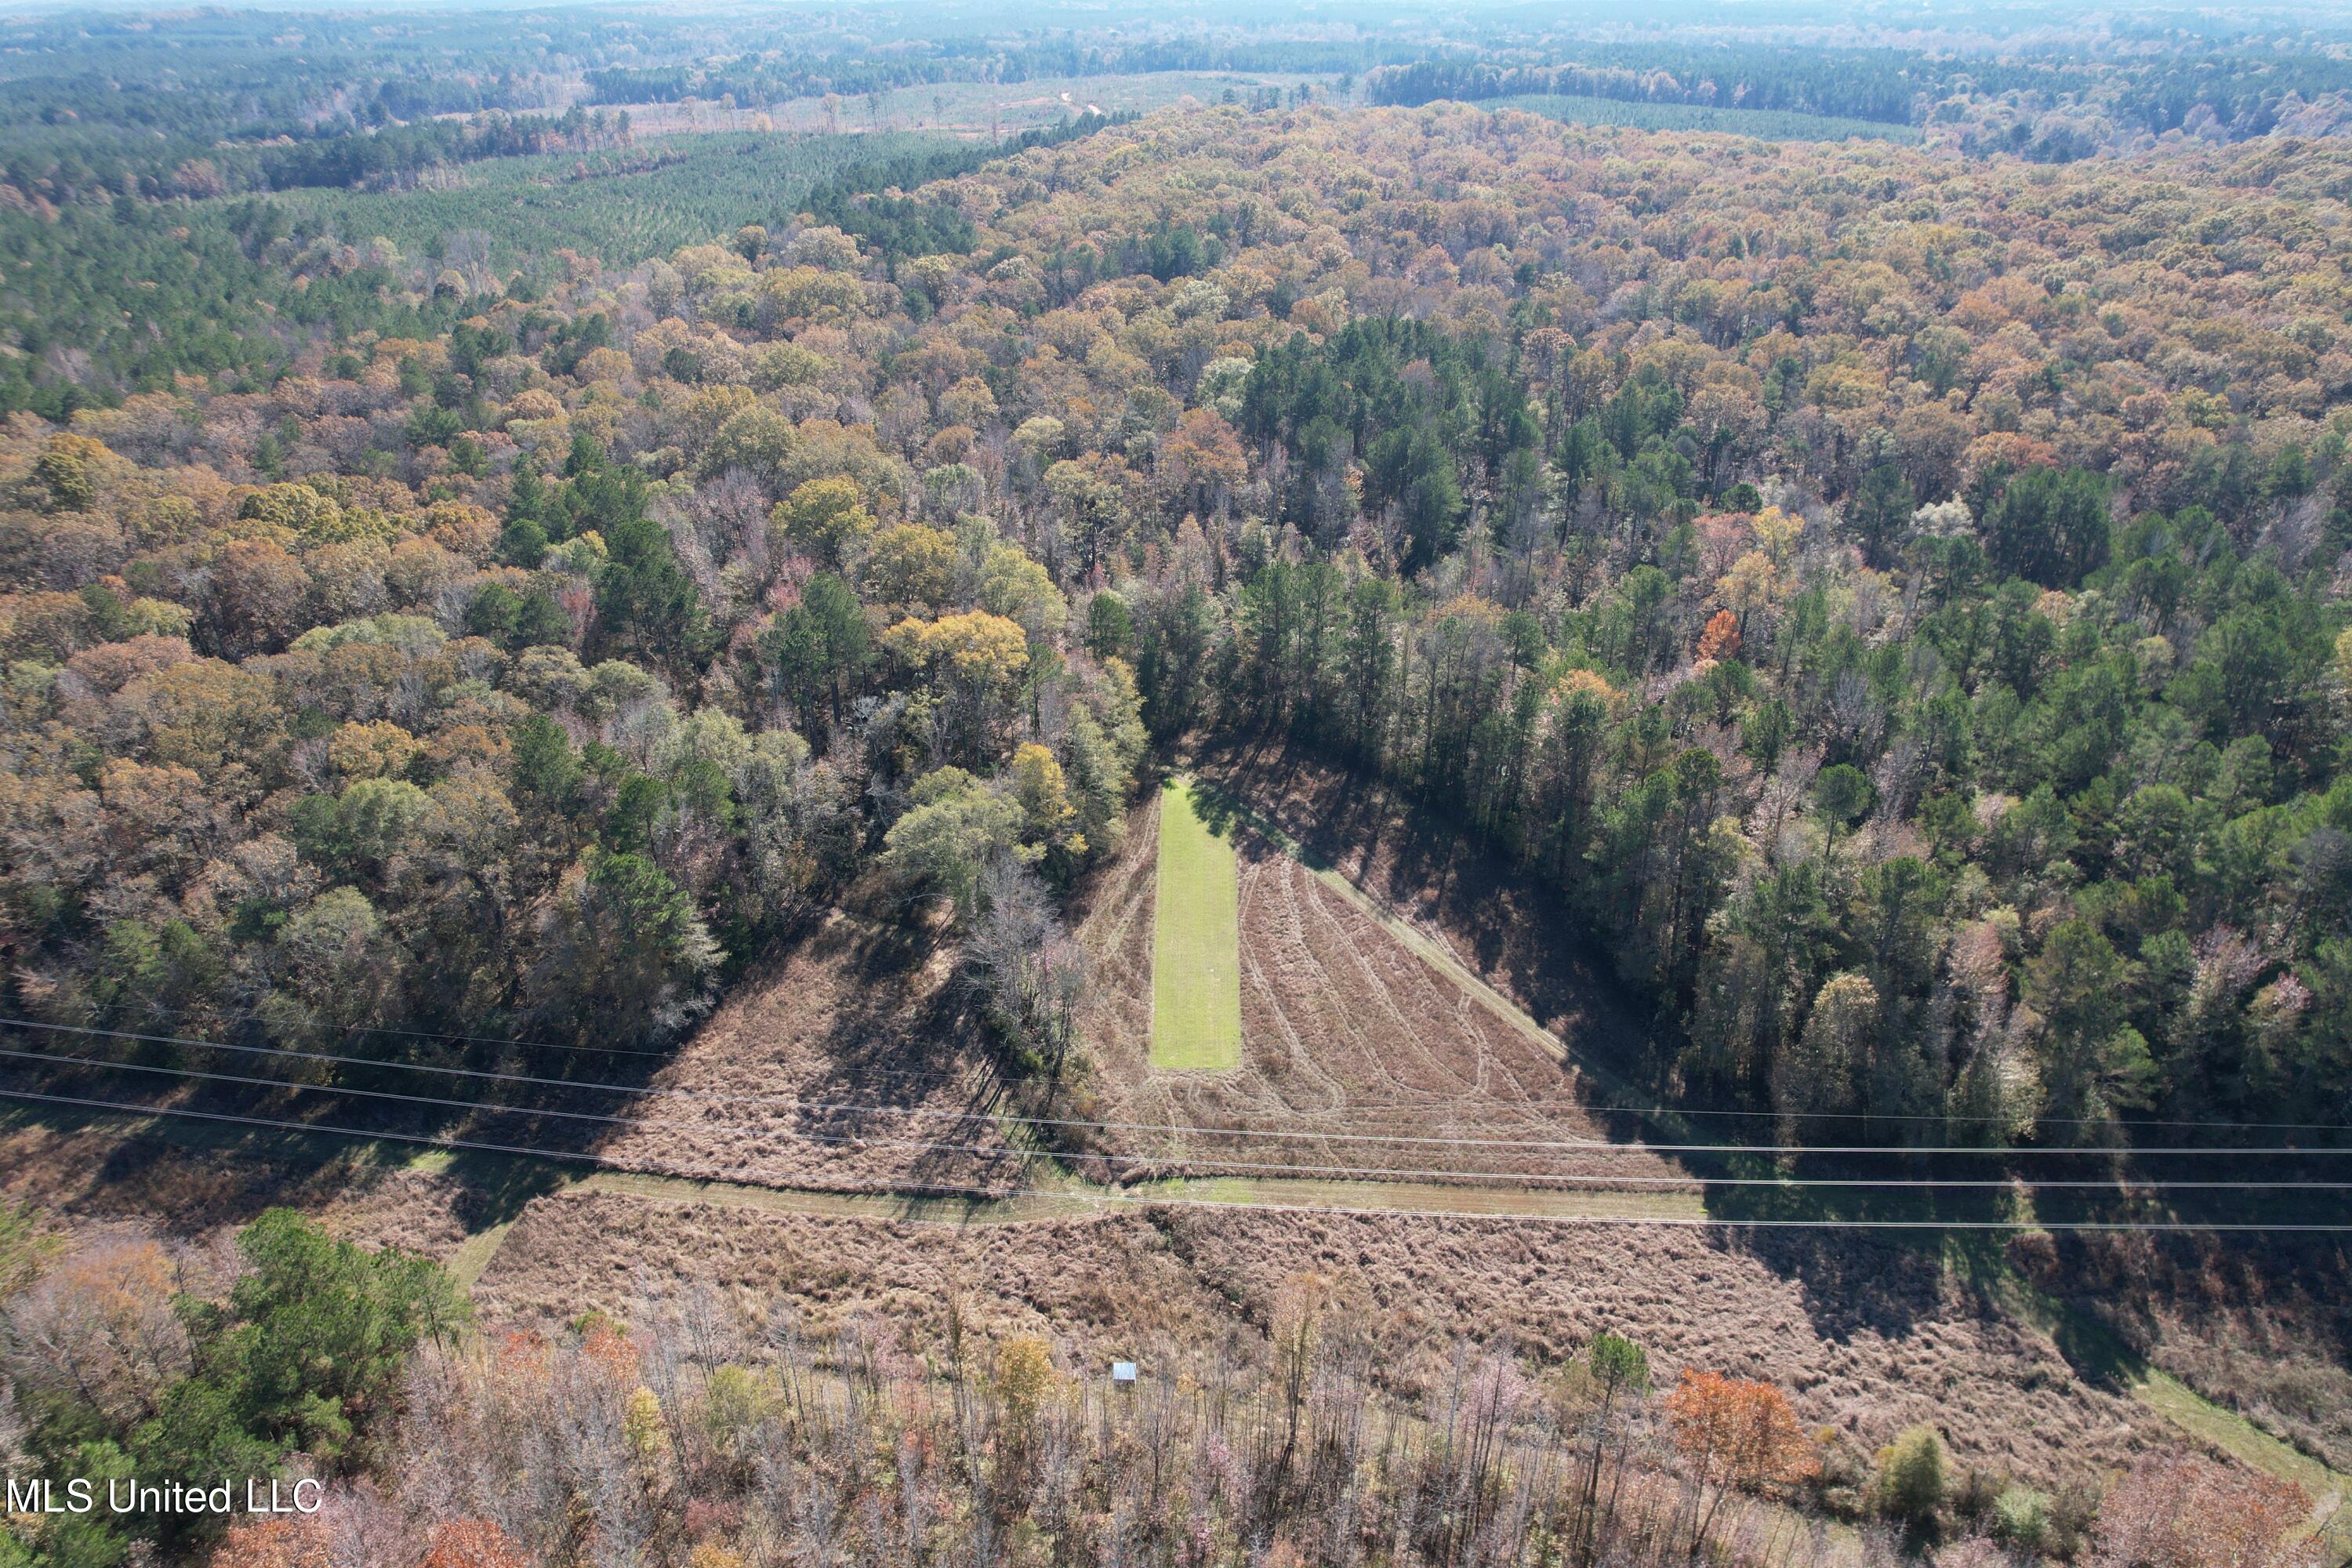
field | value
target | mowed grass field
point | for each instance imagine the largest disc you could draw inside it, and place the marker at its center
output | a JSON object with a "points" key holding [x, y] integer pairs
{"points": [[1196, 934]]}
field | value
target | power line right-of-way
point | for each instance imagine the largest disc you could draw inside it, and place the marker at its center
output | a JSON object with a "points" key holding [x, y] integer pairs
{"points": [[916, 1191], [1263, 1167], [905, 1075], [1179, 1129]]}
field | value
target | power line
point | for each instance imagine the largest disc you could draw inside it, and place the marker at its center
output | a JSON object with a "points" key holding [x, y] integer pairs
{"points": [[851, 1108], [493, 1108], [253, 1015], [916, 1192], [528, 1150], [495, 1040], [1707, 1221], [1647, 1113], [1382, 1173], [297, 1053]]}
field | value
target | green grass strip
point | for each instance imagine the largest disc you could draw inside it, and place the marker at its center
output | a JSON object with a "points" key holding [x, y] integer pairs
{"points": [[1196, 939]]}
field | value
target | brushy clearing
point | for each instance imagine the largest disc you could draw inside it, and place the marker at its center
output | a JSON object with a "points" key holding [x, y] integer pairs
{"points": [[1357, 1051], [1869, 1335], [136, 1172], [1196, 994], [774, 1088]]}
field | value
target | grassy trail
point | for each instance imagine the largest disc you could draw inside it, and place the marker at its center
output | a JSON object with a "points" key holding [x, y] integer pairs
{"points": [[1204, 861], [1196, 934], [524, 1180]]}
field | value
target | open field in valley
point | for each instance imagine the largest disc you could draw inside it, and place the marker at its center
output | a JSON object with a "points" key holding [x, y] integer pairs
{"points": [[1870, 1335], [1196, 997], [2008, 1348], [1359, 1051]]}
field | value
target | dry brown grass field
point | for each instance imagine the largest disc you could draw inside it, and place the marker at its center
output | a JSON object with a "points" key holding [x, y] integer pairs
{"points": [[1870, 1332], [1346, 1033], [1348, 1029], [854, 1015], [1869, 1336]]}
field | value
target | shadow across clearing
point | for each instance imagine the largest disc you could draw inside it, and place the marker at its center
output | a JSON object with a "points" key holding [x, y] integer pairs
{"points": [[1521, 937]]}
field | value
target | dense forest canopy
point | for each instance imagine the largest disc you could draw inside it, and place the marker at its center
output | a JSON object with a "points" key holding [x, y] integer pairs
{"points": [[518, 530], [133, 148], [1895, 599]]}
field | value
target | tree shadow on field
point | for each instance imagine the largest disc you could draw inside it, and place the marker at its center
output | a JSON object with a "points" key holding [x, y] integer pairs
{"points": [[899, 1041], [2278, 1295], [1522, 938], [1517, 935], [189, 1175], [495, 1188], [1852, 1282]]}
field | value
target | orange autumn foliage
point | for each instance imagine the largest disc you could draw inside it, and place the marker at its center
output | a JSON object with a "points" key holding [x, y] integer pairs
{"points": [[1737, 1433], [1720, 641], [286, 1542], [473, 1543]]}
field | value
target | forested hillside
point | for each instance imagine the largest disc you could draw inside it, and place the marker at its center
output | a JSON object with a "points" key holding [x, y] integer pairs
{"points": [[1895, 600], [185, 193], [1590, 769]]}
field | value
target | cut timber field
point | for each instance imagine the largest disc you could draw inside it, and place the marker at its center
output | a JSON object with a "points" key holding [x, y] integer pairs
{"points": [[1902, 1341], [1358, 1042], [773, 1087], [1872, 1331], [1196, 994], [620, 205]]}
